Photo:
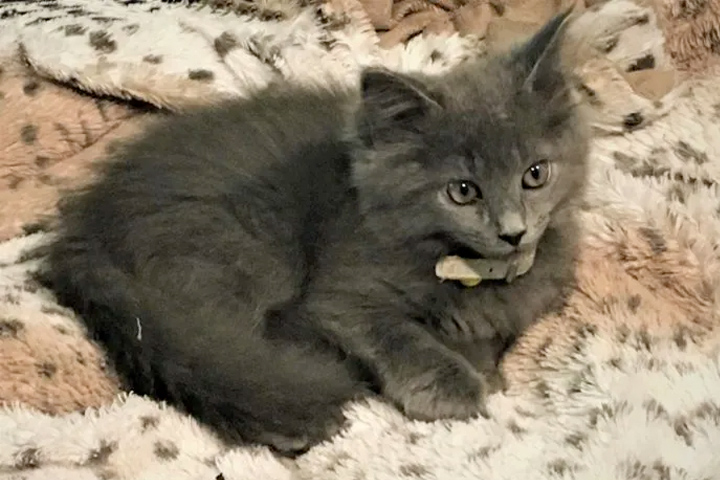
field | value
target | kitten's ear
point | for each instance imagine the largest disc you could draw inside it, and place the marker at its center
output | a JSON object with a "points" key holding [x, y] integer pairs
{"points": [[392, 102], [539, 58]]}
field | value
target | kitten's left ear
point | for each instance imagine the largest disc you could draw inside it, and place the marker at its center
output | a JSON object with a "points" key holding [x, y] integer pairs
{"points": [[539, 58], [392, 103]]}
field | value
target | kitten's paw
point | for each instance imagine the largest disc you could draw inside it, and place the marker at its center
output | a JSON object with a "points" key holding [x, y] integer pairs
{"points": [[449, 389], [308, 433]]}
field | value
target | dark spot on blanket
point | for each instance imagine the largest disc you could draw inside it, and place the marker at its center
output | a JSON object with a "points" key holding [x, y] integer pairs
{"points": [[11, 327], [166, 450], [201, 75], [153, 59], [687, 153], [436, 55], [414, 470], [615, 363], [655, 409], [28, 459], [609, 44], [644, 339], [47, 179], [662, 470], [414, 437], [682, 429], [61, 330], [31, 87], [643, 19], [543, 389], [623, 332], [589, 93], [131, 29], [654, 238], [481, 453], [149, 422], [623, 160], [677, 193], [220, 476], [74, 30], [633, 121], [680, 337], [516, 429], [28, 134], [708, 411], [41, 161], [544, 347], [102, 453], [47, 369], [225, 43], [558, 467], [576, 440], [102, 41], [645, 62], [13, 181], [634, 302]]}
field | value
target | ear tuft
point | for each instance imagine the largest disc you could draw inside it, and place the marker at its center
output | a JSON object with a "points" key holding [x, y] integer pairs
{"points": [[539, 58], [392, 103]]}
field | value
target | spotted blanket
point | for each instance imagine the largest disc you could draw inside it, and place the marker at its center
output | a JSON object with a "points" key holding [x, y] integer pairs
{"points": [[623, 383]]}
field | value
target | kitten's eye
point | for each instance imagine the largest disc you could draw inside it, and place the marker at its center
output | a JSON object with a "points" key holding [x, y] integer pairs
{"points": [[537, 175], [463, 192]]}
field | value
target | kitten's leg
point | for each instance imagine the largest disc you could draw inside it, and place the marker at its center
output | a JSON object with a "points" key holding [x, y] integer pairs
{"points": [[485, 355], [427, 380]]}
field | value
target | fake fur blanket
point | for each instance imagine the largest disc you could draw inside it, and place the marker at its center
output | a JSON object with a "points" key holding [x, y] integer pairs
{"points": [[624, 383]]}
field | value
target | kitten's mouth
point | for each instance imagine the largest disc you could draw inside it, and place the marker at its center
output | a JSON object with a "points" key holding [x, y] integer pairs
{"points": [[463, 251]]}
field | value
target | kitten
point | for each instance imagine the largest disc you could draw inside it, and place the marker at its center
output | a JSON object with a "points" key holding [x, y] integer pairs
{"points": [[260, 263]]}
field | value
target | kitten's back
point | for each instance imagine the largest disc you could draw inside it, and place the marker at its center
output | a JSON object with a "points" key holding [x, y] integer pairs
{"points": [[190, 239]]}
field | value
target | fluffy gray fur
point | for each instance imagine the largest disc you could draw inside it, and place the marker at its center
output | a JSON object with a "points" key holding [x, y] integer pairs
{"points": [[280, 267]]}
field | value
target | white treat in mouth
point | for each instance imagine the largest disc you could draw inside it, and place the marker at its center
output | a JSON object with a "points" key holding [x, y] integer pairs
{"points": [[471, 272]]}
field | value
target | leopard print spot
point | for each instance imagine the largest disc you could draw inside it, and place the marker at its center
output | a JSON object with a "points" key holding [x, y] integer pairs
{"points": [[201, 75], [153, 59], [28, 134], [149, 422], [28, 459], [166, 450], [11, 327], [47, 369], [414, 470], [102, 41], [225, 43], [102, 453], [31, 87], [74, 30]]}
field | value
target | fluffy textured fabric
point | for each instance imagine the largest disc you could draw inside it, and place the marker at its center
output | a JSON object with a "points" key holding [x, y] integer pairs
{"points": [[624, 383]]}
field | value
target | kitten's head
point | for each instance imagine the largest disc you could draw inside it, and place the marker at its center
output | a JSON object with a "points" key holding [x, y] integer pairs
{"points": [[483, 157]]}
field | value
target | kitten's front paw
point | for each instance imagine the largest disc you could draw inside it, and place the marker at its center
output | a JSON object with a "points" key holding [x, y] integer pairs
{"points": [[447, 389]]}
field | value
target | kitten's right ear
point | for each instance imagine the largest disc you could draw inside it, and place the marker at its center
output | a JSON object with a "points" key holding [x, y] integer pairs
{"points": [[539, 58], [392, 103]]}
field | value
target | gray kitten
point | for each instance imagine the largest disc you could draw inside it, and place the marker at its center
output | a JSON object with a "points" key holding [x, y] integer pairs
{"points": [[279, 266]]}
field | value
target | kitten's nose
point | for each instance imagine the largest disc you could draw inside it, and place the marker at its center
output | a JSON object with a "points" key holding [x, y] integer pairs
{"points": [[512, 238]]}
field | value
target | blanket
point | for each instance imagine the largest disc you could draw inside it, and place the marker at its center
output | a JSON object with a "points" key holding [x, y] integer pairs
{"points": [[623, 383]]}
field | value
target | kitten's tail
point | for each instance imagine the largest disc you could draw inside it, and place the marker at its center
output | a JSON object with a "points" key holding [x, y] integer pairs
{"points": [[208, 362]]}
